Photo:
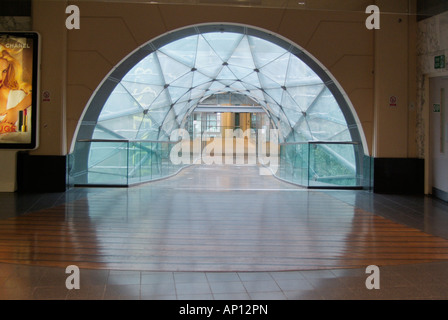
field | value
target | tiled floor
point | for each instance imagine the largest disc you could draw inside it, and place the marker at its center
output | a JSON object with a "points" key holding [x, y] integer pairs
{"points": [[426, 281], [410, 281]]}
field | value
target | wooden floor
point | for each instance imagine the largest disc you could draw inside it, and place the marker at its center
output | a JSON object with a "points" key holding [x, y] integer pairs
{"points": [[212, 218]]}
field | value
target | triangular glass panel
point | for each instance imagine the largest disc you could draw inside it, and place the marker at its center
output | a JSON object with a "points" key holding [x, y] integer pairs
{"points": [[170, 122], [181, 116], [327, 106], [300, 74], [226, 74], [284, 124], [237, 86], [185, 81], [273, 108], [172, 69], [144, 94], [119, 103], [240, 72], [322, 129], [242, 56], [148, 133], [183, 50], [217, 86], [126, 126], [158, 115], [226, 83], [197, 93], [257, 94], [200, 79], [162, 101], [288, 102], [304, 96], [303, 129], [275, 94], [277, 69], [146, 71], [264, 51], [223, 43], [266, 82], [180, 107], [207, 61], [176, 93], [292, 115], [252, 80], [102, 133]]}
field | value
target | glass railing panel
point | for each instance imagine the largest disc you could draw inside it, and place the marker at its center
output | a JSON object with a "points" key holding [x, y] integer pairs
{"points": [[293, 163], [106, 163], [333, 165], [103, 162], [300, 164], [121, 162]]}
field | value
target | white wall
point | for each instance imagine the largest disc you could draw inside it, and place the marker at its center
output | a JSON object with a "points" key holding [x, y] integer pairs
{"points": [[439, 132]]}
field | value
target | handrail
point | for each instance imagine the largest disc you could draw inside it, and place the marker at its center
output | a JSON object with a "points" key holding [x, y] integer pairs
{"points": [[125, 140], [318, 142]]}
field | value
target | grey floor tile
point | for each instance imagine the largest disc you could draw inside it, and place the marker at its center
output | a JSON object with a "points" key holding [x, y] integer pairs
{"points": [[156, 277], [159, 289], [255, 276], [353, 282], [261, 286], [231, 296], [227, 287], [192, 288], [195, 296], [303, 295], [124, 278], [335, 293], [222, 276], [92, 277], [293, 275], [355, 272], [275, 295], [125, 291], [321, 274], [157, 297], [190, 277], [294, 284], [87, 292]]}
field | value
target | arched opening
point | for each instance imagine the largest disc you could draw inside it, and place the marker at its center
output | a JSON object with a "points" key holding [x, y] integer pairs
{"points": [[126, 134]]}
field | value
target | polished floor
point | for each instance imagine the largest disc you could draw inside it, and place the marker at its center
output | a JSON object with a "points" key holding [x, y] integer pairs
{"points": [[222, 232]]}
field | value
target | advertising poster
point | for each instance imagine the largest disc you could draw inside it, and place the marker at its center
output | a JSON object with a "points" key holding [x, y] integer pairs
{"points": [[18, 89]]}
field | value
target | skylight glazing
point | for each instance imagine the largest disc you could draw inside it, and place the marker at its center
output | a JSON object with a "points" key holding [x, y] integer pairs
{"points": [[159, 92]]}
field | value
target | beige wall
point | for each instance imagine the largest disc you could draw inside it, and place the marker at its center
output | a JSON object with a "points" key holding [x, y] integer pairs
{"points": [[49, 22], [369, 65]]}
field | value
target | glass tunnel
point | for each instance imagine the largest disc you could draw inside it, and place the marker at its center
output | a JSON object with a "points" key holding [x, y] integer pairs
{"points": [[203, 81]]}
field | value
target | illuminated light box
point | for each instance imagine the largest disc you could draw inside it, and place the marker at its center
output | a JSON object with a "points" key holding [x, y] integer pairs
{"points": [[19, 87]]}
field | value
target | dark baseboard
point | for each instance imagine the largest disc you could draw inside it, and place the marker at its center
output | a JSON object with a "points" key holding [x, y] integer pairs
{"points": [[399, 175], [41, 173], [440, 194]]}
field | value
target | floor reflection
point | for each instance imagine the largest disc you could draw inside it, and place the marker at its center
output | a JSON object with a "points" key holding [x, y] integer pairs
{"points": [[216, 218]]}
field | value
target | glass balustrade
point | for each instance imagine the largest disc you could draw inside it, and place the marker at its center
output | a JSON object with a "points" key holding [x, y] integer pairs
{"points": [[323, 164], [120, 163], [123, 163]]}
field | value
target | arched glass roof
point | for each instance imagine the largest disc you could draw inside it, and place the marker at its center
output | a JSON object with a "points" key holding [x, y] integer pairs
{"points": [[156, 94]]}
